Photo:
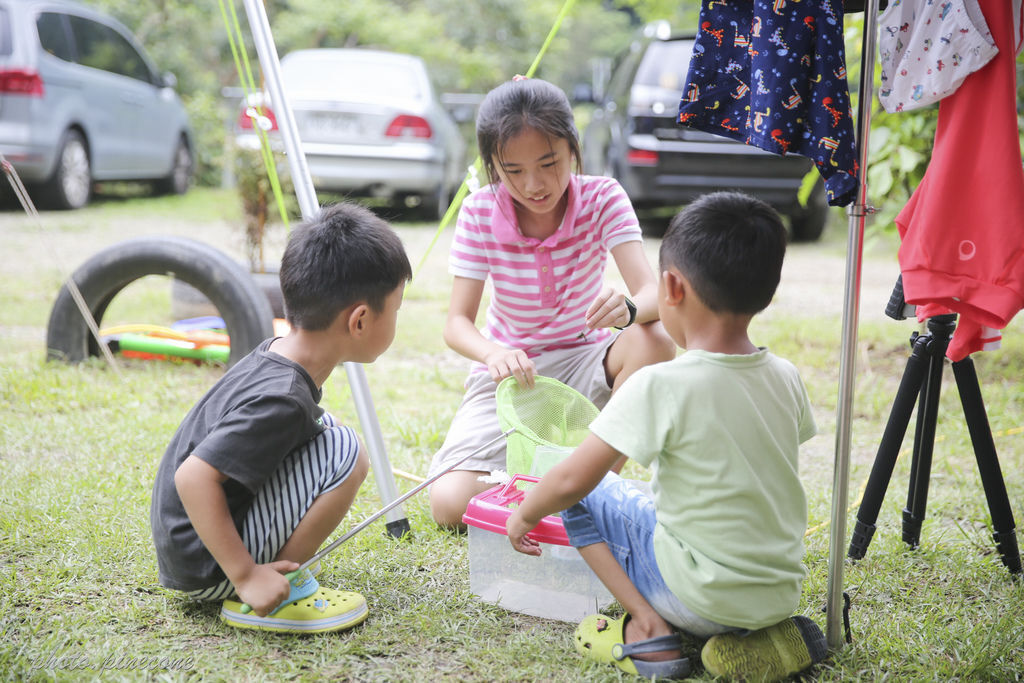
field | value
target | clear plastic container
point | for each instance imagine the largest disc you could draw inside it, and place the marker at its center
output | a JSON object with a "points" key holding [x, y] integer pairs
{"points": [[556, 585]]}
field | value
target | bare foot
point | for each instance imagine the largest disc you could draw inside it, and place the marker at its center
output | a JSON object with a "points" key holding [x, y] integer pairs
{"points": [[636, 630]]}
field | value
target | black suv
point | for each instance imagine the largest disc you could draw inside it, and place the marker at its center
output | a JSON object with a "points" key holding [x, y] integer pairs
{"points": [[633, 137]]}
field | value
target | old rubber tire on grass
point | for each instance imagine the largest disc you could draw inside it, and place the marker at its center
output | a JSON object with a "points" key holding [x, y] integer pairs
{"points": [[228, 285]]}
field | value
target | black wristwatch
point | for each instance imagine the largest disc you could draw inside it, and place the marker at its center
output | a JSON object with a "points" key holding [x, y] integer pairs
{"points": [[631, 307]]}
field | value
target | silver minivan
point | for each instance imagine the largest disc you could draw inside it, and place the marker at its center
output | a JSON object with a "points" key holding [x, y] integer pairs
{"points": [[80, 102]]}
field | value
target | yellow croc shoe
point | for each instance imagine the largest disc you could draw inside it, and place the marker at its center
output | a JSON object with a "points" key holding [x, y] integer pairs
{"points": [[325, 610], [602, 639]]}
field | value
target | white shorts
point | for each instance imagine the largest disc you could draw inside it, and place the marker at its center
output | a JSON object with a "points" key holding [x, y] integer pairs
{"points": [[476, 421]]}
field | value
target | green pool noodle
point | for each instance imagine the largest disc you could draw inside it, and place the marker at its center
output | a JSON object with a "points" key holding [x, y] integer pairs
{"points": [[171, 347]]}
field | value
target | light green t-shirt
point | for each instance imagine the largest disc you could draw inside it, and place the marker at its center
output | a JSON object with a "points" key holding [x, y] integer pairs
{"points": [[721, 435]]}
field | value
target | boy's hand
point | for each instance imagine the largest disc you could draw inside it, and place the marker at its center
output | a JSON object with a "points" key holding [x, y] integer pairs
{"points": [[504, 363], [266, 587], [517, 529]]}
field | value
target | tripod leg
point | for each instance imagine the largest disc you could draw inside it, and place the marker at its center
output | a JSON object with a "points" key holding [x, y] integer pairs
{"points": [[888, 449], [988, 463], [924, 442]]}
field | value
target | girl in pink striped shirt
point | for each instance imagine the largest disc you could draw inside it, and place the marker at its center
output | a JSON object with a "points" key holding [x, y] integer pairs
{"points": [[542, 234]]}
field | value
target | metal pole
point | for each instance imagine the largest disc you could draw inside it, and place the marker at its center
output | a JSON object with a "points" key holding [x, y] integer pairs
{"points": [[267, 51], [397, 523], [847, 357]]}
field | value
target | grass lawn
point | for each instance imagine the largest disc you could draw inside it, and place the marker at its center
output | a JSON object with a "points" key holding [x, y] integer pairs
{"points": [[79, 446]]}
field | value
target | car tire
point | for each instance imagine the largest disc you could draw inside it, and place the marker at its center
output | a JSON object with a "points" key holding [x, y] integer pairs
{"points": [[433, 206], [807, 223], [243, 306], [611, 165], [8, 200], [180, 177], [70, 186]]}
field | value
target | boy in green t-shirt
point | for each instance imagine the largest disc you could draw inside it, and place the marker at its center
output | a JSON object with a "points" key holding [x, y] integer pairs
{"points": [[718, 552]]}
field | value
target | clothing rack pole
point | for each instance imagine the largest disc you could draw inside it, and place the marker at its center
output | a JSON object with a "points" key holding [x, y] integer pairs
{"points": [[259, 25], [847, 359]]}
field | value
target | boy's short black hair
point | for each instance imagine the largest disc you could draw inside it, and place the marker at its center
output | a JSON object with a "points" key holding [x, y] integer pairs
{"points": [[730, 247], [344, 255]]}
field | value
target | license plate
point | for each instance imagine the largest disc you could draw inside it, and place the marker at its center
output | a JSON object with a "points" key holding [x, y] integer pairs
{"points": [[331, 125]]}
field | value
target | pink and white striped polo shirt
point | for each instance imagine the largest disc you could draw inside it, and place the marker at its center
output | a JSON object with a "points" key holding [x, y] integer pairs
{"points": [[542, 289]]}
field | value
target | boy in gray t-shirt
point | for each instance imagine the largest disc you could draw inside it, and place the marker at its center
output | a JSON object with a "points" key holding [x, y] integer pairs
{"points": [[718, 552], [257, 475]]}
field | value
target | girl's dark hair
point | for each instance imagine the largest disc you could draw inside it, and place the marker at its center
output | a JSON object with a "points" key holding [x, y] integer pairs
{"points": [[730, 246], [517, 105], [344, 255]]}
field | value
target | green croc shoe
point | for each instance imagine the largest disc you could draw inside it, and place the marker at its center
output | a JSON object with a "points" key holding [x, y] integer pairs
{"points": [[601, 638], [325, 610], [767, 654]]}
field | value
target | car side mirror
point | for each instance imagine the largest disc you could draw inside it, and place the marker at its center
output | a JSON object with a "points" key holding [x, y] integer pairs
{"points": [[168, 80]]}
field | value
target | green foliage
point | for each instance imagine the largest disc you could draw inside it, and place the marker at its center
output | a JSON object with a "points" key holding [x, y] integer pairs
{"points": [[206, 112], [900, 147], [807, 185], [468, 46], [682, 15]]}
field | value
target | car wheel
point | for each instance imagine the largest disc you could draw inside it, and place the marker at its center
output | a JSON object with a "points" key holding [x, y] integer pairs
{"points": [[807, 223], [229, 286], [611, 165], [434, 205], [70, 186], [177, 182]]}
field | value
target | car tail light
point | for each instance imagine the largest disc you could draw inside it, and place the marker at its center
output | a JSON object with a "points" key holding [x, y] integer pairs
{"points": [[642, 157], [407, 125], [21, 82], [266, 118]]}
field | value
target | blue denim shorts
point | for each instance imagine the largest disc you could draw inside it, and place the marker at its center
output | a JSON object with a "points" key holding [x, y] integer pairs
{"points": [[622, 516]]}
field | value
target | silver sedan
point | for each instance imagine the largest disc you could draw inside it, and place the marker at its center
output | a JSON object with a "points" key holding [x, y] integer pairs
{"points": [[370, 125]]}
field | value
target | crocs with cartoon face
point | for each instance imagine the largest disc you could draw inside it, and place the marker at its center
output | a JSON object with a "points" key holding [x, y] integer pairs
{"points": [[602, 638]]}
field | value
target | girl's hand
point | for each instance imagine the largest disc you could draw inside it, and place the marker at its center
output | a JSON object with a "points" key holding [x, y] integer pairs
{"points": [[504, 363], [266, 587], [608, 310], [517, 530]]}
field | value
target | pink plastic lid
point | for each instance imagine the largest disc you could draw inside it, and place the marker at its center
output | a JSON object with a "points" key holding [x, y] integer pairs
{"points": [[491, 509]]}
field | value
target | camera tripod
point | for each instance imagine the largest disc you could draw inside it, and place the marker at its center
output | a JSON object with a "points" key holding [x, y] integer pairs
{"points": [[921, 382]]}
